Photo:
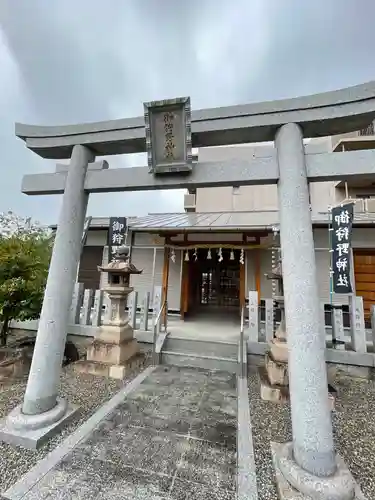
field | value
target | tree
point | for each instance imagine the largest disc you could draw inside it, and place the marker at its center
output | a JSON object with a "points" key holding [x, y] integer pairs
{"points": [[25, 250], [22, 227]]}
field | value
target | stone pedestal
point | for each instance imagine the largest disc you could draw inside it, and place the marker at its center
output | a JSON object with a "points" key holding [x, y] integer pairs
{"points": [[294, 483], [115, 351], [274, 375], [112, 355]]}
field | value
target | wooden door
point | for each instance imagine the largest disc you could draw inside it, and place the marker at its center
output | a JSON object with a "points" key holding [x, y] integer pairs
{"points": [[364, 271]]}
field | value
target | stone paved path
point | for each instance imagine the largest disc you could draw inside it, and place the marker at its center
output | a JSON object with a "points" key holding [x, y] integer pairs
{"points": [[173, 438]]}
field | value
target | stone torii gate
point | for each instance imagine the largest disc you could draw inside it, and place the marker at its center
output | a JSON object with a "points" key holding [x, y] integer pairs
{"points": [[309, 463]]}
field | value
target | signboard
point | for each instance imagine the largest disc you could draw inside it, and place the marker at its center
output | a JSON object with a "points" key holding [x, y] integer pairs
{"points": [[342, 222], [116, 235], [253, 316], [168, 135]]}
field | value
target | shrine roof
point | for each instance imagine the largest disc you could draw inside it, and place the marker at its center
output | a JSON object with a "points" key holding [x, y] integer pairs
{"points": [[217, 221], [207, 221], [228, 221]]}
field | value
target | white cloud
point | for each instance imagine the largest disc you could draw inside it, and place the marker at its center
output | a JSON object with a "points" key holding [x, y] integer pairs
{"points": [[67, 61]]}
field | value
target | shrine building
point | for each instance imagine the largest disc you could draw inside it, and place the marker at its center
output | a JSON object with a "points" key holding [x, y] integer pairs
{"points": [[208, 257]]}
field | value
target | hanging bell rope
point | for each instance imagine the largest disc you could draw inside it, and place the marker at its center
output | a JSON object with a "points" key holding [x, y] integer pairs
{"points": [[274, 258], [220, 255], [242, 257], [173, 255]]}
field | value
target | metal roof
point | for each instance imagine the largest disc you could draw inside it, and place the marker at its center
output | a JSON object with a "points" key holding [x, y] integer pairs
{"points": [[214, 221], [227, 221]]}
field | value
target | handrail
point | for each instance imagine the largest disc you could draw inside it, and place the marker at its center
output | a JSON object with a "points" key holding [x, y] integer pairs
{"points": [[159, 313], [242, 364], [155, 326]]}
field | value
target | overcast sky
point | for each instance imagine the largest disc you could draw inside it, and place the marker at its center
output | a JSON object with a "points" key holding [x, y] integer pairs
{"points": [[67, 61]]}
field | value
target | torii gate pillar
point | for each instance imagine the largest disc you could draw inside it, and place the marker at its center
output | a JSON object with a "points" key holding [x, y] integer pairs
{"points": [[42, 411]]}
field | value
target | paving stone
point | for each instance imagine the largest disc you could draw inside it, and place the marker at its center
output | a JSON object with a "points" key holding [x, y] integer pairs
{"points": [[218, 433], [127, 483], [208, 464], [62, 485], [172, 423], [174, 438], [185, 490]]}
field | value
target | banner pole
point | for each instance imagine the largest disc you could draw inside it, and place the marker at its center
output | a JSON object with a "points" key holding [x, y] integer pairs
{"points": [[330, 229]]}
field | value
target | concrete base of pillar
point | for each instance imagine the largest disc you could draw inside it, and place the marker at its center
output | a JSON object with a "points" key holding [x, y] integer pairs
{"points": [[294, 483], [31, 431]]}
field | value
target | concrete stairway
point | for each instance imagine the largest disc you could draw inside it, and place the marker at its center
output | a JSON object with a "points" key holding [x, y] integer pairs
{"points": [[212, 355]]}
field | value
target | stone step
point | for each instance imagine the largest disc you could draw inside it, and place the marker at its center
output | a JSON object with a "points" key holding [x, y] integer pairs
{"points": [[192, 360], [202, 347]]}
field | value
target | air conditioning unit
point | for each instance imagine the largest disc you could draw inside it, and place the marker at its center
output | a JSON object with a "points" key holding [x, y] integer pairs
{"points": [[189, 202]]}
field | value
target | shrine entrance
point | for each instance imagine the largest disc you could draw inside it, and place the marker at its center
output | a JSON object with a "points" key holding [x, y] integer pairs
{"points": [[213, 284]]}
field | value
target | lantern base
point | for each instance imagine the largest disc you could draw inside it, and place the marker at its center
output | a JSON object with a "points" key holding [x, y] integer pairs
{"points": [[117, 372], [112, 354], [115, 334]]}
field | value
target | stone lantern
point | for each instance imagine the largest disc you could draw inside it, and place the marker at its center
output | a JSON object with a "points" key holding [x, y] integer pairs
{"points": [[115, 351], [274, 376]]}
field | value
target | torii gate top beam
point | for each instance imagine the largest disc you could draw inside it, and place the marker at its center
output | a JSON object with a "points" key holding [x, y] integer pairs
{"points": [[319, 115]]}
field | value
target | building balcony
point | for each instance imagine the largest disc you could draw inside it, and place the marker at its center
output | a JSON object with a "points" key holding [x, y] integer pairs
{"points": [[356, 141], [362, 206], [363, 139]]}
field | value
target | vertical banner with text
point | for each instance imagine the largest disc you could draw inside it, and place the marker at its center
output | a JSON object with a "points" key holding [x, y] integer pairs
{"points": [[342, 223], [116, 235]]}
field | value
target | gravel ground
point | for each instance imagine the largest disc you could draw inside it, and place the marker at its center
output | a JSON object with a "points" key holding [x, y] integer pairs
{"points": [[354, 427], [88, 391]]}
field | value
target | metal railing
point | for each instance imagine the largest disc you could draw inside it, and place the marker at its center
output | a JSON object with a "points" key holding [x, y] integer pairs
{"points": [[242, 341], [369, 130], [156, 329]]}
